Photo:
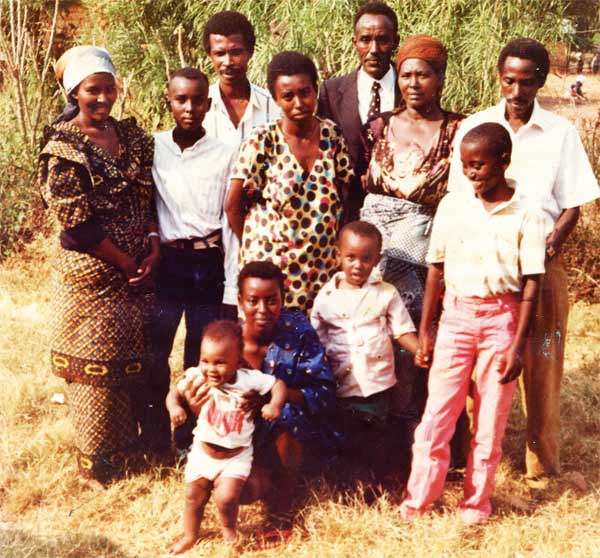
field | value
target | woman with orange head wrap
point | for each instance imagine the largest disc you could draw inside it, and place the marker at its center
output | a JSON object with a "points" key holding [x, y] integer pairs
{"points": [[407, 177]]}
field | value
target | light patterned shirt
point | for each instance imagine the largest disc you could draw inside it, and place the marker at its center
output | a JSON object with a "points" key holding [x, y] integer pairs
{"points": [[355, 327], [486, 253]]}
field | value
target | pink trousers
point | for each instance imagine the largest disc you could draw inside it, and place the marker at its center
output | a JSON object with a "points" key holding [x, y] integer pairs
{"points": [[474, 334]]}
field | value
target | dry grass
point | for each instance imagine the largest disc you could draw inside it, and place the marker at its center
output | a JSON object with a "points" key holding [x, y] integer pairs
{"points": [[45, 512]]}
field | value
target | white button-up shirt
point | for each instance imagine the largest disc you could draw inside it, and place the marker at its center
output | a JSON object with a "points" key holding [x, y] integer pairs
{"points": [[191, 187], [355, 326], [548, 162], [261, 110], [364, 83], [486, 253]]}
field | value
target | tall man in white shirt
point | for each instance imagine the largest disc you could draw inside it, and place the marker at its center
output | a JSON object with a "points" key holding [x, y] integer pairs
{"points": [[353, 99], [237, 106], [198, 268], [553, 172]]}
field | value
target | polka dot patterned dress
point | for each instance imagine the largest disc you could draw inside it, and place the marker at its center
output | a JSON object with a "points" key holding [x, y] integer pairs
{"points": [[293, 215]]}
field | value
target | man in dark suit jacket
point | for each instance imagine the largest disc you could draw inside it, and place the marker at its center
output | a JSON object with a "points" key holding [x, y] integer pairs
{"points": [[352, 99]]}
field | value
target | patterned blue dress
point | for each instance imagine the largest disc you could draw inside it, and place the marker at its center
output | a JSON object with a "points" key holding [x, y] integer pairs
{"points": [[297, 357]]}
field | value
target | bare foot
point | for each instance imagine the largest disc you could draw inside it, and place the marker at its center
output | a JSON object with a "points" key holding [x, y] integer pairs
{"points": [[229, 535], [183, 544]]}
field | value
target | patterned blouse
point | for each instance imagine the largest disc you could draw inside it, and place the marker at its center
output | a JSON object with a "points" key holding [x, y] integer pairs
{"points": [[293, 215], [99, 330], [297, 357], [410, 174]]}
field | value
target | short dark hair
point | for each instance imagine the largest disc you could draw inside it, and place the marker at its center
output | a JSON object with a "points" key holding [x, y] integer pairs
{"points": [[261, 270], [229, 22], [377, 8], [528, 49], [364, 230], [290, 63], [491, 134], [189, 73], [224, 329]]}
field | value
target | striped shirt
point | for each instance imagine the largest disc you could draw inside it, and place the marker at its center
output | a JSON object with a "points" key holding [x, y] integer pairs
{"points": [[260, 110]]}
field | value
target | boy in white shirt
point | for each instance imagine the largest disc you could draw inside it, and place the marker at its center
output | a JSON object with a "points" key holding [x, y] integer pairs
{"points": [[488, 247], [198, 267], [221, 454], [356, 314]]}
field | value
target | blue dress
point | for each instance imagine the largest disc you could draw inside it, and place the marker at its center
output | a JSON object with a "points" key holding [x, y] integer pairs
{"points": [[297, 357]]}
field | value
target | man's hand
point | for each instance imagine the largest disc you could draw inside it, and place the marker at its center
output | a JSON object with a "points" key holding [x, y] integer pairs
{"points": [[512, 366]]}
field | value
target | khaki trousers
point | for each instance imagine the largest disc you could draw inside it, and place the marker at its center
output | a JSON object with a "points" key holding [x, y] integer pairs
{"points": [[543, 370]]}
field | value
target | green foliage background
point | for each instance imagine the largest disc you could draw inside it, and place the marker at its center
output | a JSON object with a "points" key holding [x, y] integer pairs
{"points": [[148, 37], [143, 36]]}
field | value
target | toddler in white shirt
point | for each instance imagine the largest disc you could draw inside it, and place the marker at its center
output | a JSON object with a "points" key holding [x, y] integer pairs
{"points": [[221, 454], [356, 315]]}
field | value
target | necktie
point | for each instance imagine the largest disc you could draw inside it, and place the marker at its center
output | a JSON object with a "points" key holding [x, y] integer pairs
{"points": [[375, 104]]}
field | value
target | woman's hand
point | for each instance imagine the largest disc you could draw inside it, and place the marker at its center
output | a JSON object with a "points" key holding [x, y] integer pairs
{"points": [[196, 395], [146, 270], [178, 415], [252, 401], [128, 266], [271, 412]]}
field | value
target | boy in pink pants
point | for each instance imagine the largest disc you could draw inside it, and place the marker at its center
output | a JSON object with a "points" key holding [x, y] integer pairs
{"points": [[489, 249]]}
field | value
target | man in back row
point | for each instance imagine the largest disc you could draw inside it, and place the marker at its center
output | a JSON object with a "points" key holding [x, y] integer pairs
{"points": [[353, 99], [553, 172], [237, 105]]}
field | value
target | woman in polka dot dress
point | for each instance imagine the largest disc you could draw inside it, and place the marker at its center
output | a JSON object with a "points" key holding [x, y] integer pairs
{"points": [[285, 200]]}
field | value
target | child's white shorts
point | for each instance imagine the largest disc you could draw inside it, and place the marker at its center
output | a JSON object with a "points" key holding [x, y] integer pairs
{"points": [[200, 464]]}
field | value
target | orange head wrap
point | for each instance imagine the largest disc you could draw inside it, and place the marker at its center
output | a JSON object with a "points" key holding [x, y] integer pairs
{"points": [[425, 48]]}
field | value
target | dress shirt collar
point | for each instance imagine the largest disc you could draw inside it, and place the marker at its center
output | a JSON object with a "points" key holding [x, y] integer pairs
{"points": [[215, 94], [538, 115], [373, 279], [516, 198], [387, 81]]}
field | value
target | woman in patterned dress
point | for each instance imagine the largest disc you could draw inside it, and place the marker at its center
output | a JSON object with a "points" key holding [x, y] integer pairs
{"points": [[285, 200], [409, 151], [95, 176]]}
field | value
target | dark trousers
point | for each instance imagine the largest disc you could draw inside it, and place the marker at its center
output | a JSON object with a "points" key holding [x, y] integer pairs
{"points": [[189, 283]]}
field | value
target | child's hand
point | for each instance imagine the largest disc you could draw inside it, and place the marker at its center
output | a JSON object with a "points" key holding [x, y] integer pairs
{"points": [[178, 416], [512, 367], [424, 350], [271, 412]]}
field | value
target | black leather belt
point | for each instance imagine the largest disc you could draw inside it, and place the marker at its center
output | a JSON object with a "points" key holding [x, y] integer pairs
{"points": [[212, 240]]}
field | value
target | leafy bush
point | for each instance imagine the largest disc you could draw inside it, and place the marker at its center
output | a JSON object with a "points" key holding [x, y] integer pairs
{"points": [[583, 245], [148, 38]]}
